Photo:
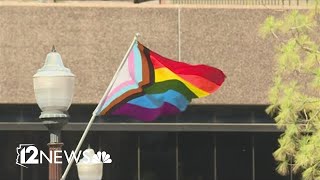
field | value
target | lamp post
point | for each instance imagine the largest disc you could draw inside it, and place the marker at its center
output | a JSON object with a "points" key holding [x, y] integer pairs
{"points": [[53, 86]]}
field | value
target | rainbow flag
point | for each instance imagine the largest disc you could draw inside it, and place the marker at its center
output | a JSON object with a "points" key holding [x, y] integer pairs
{"points": [[149, 85]]}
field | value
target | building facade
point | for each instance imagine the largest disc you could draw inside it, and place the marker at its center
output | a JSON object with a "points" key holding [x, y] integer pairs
{"points": [[226, 136]]}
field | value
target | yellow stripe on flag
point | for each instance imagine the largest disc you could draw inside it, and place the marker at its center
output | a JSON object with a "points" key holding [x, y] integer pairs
{"points": [[164, 74]]}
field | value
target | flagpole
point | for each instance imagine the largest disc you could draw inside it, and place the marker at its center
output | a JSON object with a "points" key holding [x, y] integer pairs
{"points": [[94, 114]]}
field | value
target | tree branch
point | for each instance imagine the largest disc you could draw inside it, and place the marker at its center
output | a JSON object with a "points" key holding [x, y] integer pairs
{"points": [[314, 115], [307, 48], [275, 35]]}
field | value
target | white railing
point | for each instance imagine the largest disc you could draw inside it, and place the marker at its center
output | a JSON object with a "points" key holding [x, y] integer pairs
{"points": [[240, 2]]}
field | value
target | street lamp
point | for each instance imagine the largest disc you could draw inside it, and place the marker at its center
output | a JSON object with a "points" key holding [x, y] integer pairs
{"points": [[53, 86]]}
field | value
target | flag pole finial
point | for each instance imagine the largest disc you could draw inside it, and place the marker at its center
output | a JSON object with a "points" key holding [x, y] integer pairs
{"points": [[137, 35], [53, 49]]}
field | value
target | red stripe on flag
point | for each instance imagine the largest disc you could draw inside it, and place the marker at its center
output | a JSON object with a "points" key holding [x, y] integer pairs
{"points": [[209, 73]]}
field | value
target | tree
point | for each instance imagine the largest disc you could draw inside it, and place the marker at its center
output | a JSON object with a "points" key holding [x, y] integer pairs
{"points": [[295, 94]]}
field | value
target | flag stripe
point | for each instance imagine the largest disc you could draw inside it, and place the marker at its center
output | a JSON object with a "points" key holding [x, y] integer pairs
{"points": [[127, 87], [147, 79], [175, 85], [210, 73], [132, 64], [154, 101], [135, 64], [145, 114], [200, 82], [163, 74]]}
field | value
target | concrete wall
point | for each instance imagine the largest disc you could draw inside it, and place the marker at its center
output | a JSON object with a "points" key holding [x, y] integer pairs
{"points": [[93, 39]]}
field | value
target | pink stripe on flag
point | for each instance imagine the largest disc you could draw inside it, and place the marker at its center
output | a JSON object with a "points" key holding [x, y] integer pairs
{"points": [[118, 88], [126, 83], [131, 65]]}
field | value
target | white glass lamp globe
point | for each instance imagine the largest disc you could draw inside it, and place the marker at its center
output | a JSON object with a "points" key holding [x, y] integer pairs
{"points": [[90, 168], [90, 171], [53, 86]]}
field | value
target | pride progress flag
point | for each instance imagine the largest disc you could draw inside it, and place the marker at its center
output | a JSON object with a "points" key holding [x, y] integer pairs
{"points": [[149, 85]]}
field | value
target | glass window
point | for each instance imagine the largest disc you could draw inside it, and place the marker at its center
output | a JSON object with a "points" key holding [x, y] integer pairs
{"points": [[229, 114], [234, 156], [193, 114], [122, 147], [196, 156], [197, 114], [265, 165], [158, 156], [260, 115], [201, 155], [11, 140]]}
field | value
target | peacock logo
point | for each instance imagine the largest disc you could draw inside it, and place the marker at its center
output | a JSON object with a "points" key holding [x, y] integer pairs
{"points": [[103, 157]]}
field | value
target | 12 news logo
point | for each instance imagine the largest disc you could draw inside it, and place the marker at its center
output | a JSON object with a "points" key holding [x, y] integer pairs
{"points": [[28, 154]]}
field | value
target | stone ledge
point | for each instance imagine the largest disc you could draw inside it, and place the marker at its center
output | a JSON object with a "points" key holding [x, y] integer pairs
{"points": [[150, 4]]}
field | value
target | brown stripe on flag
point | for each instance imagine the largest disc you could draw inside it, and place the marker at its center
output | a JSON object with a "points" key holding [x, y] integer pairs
{"points": [[147, 79]]}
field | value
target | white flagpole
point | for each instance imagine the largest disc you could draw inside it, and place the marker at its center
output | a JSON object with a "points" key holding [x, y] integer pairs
{"points": [[94, 114]]}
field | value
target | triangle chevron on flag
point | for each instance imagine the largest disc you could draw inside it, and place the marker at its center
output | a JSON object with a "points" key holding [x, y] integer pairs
{"points": [[149, 85]]}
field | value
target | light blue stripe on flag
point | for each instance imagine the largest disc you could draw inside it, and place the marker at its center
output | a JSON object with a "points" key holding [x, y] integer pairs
{"points": [[153, 101]]}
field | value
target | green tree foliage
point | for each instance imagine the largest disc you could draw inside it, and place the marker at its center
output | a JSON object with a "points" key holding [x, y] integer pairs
{"points": [[295, 94]]}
